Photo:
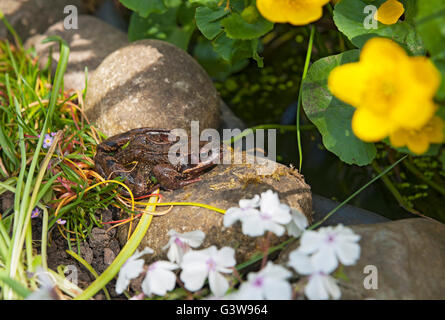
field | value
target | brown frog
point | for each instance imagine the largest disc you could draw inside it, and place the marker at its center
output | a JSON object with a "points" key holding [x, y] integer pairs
{"points": [[140, 158]]}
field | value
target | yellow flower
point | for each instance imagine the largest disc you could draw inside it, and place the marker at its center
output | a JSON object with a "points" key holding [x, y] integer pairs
{"points": [[389, 12], [296, 12], [418, 141], [390, 90]]}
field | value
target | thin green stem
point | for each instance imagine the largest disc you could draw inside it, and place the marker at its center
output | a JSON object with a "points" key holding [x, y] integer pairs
{"points": [[248, 131], [44, 243], [305, 70], [422, 177], [89, 268], [356, 193]]}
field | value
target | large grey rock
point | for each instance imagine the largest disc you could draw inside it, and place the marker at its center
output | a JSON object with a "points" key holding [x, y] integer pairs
{"points": [[31, 17], [151, 83], [409, 256], [89, 46], [223, 187]]}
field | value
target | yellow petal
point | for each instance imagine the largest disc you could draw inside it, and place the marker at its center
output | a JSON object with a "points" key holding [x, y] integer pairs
{"points": [[348, 82], [399, 138], [297, 12], [369, 127], [383, 53], [390, 12], [435, 133], [412, 112], [273, 10], [418, 144], [300, 17], [426, 74]]}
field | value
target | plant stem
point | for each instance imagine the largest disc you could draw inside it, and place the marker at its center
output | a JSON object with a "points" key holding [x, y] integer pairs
{"points": [[356, 193], [248, 131], [422, 177], [400, 200], [44, 243], [306, 67]]}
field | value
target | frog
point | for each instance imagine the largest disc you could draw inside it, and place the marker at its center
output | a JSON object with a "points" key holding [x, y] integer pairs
{"points": [[140, 157]]}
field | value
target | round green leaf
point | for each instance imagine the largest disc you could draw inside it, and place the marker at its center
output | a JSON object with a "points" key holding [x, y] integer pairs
{"points": [[238, 28], [331, 116]]}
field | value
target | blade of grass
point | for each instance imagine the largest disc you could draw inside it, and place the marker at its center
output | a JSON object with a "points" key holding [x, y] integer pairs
{"points": [[384, 172], [19, 232], [16, 286], [89, 268]]}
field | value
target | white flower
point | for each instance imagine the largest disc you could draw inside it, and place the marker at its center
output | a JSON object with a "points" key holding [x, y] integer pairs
{"points": [[270, 283], [159, 278], [211, 262], [329, 243], [320, 286], [298, 223], [131, 269], [180, 243], [47, 290], [246, 207], [272, 217]]}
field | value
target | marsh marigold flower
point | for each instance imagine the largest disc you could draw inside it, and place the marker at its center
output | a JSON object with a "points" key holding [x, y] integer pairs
{"points": [[418, 141], [389, 89], [389, 12], [296, 12]]}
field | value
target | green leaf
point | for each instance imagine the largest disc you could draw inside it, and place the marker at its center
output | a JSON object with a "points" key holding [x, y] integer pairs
{"points": [[439, 62], [237, 28], [161, 26], [430, 22], [208, 21], [144, 8], [172, 3], [351, 19], [215, 66], [207, 3], [233, 50], [331, 116]]}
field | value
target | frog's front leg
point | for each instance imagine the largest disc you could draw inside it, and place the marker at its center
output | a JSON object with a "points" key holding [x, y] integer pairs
{"points": [[169, 178]]}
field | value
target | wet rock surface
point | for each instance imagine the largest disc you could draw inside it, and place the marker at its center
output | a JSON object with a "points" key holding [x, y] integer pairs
{"points": [[31, 17], [409, 257], [89, 45], [151, 83], [223, 187]]}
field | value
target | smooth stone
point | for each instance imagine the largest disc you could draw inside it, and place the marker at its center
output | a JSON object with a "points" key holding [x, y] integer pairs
{"points": [[228, 119], [346, 215], [89, 46], [223, 187], [409, 257], [31, 17], [151, 83]]}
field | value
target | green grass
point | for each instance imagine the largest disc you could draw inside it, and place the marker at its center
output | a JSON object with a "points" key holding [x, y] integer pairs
{"points": [[54, 179]]}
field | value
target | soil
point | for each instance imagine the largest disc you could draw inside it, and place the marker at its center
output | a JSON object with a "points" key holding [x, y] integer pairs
{"points": [[99, 250]]}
